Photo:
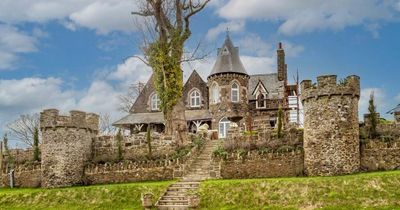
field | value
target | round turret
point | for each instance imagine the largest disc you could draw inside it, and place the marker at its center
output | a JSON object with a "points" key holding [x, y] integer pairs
{"points": [[331, 129]]}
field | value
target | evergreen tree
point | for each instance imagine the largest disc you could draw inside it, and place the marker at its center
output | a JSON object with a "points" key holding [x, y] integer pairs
{"points": [[148, 138], [373, 117], [280, 122], [36, 144], [119, 139]]}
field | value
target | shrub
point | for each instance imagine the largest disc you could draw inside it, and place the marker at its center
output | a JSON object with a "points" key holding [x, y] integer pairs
{"points": [[285, 148], [263, 150], [220, 153]]}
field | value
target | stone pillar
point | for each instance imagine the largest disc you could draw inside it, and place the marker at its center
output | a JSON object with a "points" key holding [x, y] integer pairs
{"points": [[66, 146], [331, 130], [397, 117]]}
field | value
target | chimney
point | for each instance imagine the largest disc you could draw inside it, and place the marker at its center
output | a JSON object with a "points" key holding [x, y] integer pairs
{"points": [[282, 68]]}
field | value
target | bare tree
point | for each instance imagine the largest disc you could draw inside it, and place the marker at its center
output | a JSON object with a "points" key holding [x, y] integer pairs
{"points": [[106, 127], [166, 27], [23, 129], [128, 99]]}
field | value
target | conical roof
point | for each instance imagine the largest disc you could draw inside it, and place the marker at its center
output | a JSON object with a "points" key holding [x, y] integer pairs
{"points": [[228, 60]]}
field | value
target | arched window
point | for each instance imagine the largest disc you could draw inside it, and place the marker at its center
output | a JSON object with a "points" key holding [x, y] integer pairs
{"points": [[155, 102], [261, 100], [214, 93], [235, 92], [195, 98]]}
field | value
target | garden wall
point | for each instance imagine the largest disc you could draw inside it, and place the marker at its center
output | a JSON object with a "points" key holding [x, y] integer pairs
{"points": [[24, 176], [378, 155], [266, 165]]}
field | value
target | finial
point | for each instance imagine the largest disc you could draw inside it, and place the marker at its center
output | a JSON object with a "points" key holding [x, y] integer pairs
{"points": [[280, 45], [227, 31]]}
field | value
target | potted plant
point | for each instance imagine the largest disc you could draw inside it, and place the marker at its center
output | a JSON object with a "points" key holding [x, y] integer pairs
{"points": [[147, 200]]}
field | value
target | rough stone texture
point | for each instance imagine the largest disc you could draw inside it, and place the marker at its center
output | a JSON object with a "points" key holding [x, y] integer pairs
{"points": [[117, 173], [195, 82], [397, 117], [66, 146], [268, 165], [24, 176], [134, 147], [377, 155], [331, 129], [225, 107]]}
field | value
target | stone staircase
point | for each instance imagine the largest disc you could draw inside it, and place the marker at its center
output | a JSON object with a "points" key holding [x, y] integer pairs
{"points": [[176, 196]]}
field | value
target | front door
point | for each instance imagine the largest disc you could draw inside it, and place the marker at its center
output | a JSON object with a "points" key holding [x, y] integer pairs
{"points": [[223, 127]]}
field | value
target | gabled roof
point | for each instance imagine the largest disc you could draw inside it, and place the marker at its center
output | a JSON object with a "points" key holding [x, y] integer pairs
{"points": [[195, 76], [259, 84], [269, 81], [396, 109], [228, 60], [141, 100]]}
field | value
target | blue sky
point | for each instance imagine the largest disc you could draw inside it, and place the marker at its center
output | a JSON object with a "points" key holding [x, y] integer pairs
{"points": [[75, 54]]}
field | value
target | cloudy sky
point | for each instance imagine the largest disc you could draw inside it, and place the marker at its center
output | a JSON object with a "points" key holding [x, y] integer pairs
{"points": [[76, 54]]}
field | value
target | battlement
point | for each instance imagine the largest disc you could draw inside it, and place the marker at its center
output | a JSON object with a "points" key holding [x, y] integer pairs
{"points": [[50, 118], [327, 85]]}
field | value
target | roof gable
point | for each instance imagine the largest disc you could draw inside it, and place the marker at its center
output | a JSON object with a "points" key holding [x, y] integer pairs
{"points": [[140, 104]]}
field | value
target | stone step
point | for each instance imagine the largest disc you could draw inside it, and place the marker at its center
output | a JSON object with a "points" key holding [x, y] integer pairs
{"points": [[171, 197], [175, 193], [173, 202], [173, 207]]}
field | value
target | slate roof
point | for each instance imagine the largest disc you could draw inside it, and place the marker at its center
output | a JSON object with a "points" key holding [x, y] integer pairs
{"points": [[270, 82], [228, 60], [158, 117]]}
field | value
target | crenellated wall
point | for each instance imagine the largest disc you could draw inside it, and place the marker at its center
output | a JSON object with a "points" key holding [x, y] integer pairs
{"points": [[66, 146], [331, 129]]}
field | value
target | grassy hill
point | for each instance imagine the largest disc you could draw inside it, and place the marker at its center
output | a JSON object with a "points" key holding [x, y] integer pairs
{"points": [[362, 191]]}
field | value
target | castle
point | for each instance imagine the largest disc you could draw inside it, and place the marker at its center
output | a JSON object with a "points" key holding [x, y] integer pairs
{"points": [[333, 141], [229, 95]]}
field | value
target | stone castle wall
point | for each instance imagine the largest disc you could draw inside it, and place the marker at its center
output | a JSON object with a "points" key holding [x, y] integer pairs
{"points": [[66, 146], [24, 176], [134, 147], [377, 155], [227, 108], [266, 165], [331, 129]]}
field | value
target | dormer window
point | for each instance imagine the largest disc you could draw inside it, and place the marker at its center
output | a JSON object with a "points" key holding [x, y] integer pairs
{"points": [[214, 93], [155, 102], [235, 92], [195, 98], [261, 103]]}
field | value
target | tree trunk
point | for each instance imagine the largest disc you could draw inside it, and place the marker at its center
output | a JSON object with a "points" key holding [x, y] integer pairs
{"points": [[175, 123]]}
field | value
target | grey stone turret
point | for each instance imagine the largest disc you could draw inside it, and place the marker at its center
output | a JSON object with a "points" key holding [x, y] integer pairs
{"points": [[66, 146], [228, 60], [331, 129]]}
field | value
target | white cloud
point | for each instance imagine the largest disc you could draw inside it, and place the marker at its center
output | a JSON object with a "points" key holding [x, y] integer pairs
{"points": [[12, 43], [254, 44], [232, 26], [106, 16], [310, 15], [102, 16], [292, 50]]}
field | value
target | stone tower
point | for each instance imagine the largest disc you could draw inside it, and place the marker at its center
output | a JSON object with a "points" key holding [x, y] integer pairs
{"points": [[227, 85], [66, 146], [331, 129]]}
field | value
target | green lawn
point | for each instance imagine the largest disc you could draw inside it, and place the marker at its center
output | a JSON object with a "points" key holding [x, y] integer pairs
{"points": [[362, 191], [115, 196]]}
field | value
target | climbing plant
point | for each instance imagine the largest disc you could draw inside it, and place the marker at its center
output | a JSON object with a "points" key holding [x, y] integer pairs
{"points": [[36, 144], [119, 139], [166, 28], [280, 122], [373, 117]]}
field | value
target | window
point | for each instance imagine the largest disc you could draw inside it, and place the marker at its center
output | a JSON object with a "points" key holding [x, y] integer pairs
{"points": [[260, 101], [224, 125], [195, 98], [214, 93], [155, 102], [235, 92]]}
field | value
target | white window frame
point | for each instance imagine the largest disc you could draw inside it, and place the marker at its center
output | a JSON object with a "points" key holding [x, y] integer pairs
{"points": [[214, 93], [223, 126], [235, 90], [195, 97], [155, 102]]}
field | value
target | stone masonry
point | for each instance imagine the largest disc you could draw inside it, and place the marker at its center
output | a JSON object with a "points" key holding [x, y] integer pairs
{"points": [[66, 146], [331, 129]]}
